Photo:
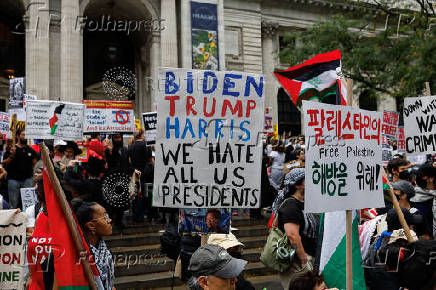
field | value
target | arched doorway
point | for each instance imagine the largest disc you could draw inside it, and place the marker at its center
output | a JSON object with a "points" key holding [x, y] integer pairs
{"points": [[116, 38], [12, 46]]}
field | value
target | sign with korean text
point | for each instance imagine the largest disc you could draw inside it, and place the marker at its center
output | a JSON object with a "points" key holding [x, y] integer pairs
{"points": [[12, 255], [54, 120], [420, 125], [390, 123], [208, 141], [109, 117], [150, 121], [343, 158]]}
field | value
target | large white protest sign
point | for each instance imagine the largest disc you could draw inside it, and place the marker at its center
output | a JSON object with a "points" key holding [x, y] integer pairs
{"points": [[208, 146], [50, 120], [109, 117], [28, 196], [343, 158], [150, 120], [13, 239], [5, 122], [420, 125]]}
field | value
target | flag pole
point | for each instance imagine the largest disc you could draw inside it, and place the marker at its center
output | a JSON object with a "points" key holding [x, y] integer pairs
{"points": [[48, 166], [349, 213]]}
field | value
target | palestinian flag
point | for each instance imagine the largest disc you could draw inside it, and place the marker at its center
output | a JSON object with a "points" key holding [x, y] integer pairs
{"points": [[315, 78], [69, 270], [53, 120], [332, 256]]}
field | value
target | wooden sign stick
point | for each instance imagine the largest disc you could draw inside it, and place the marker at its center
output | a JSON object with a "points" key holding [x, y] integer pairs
{"points": [[349, 214], [427, 89]]}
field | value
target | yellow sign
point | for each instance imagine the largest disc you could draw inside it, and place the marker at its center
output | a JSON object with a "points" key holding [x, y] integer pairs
{"points": [[137, 123], [276, 132]]}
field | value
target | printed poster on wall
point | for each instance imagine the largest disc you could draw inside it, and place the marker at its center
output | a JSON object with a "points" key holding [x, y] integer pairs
{"points": [[150, 120], [208, 142], [343, 158], [201, 220], [13, 235], [54, 120], [420, 125], [204, 36], [109, 117], [16, 93]]}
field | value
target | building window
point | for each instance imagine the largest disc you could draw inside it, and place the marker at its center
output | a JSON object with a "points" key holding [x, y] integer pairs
{"points": [[288, 114]]}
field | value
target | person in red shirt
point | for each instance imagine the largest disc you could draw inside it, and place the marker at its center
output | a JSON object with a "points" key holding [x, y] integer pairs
{"points": [[96, 145]]}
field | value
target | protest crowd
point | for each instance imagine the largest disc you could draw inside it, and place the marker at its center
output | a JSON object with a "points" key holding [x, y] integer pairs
{"points": [[108, 180]]}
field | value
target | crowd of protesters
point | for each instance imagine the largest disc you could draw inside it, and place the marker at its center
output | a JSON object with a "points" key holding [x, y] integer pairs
{"points": [[218, 264]]}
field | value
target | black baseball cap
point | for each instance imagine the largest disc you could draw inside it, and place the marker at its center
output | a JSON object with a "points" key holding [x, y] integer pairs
{"points": [[214, 260]]}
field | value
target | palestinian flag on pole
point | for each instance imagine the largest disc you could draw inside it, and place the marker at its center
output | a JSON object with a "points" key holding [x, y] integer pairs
{"points": [[315, 78], [69, 270], [332, 256]]}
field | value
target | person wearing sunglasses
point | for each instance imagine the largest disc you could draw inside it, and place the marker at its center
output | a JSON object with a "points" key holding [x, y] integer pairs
{"points": [[95, 224]]}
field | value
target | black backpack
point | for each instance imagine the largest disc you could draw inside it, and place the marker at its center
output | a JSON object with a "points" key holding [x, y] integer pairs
{"points": [[170, 242]]}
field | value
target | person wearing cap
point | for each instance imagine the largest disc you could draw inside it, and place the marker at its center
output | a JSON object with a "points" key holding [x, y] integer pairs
{"points": [[234, 248], [70, 150], [58, 150], [300, 228], [213, 268]]}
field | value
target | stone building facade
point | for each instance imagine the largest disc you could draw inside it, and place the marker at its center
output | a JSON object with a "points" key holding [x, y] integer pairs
{"points": [[66, 52]]}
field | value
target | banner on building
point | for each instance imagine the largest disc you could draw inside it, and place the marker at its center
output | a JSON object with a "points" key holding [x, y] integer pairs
{"points": [[205, 221], [109, 117], [208, 142], [5, 122], [401, 140], [420, 125], [16, 93], [390, 123], [28, 197], [54, 120], [13, 238], [204, 36], [150, 121], [343, 158]]}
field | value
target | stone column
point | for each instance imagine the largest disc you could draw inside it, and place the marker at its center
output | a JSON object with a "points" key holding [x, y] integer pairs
{"points": [[169, 48], [37, 20], [155, 63], [71, 53], [268, 33]]}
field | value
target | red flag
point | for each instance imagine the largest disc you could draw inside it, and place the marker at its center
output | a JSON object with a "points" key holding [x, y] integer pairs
{"points": [[69, 267], [315, 78]]}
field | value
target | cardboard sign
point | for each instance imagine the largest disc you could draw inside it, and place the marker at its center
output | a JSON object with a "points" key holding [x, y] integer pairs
{"points": [[401, 140], [208, 146], [390, 123], [18, 121], [16, 93], [150, 121], [268, 125], [420, 125], [205, 221], [5, 122], [109, 117], [28, 197], [54, 120], [343, 158], [13, 240]]}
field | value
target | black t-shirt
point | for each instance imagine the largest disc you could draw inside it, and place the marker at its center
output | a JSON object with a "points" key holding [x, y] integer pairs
{"points": [[292, 212], [21, 167], [139, 155]]}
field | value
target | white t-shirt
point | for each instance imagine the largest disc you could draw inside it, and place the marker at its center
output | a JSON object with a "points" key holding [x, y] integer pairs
{"points": [[30, 212], [278, 159]]}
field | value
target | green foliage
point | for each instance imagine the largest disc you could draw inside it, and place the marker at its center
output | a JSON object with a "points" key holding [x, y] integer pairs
{"points": [[395, 59]]}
